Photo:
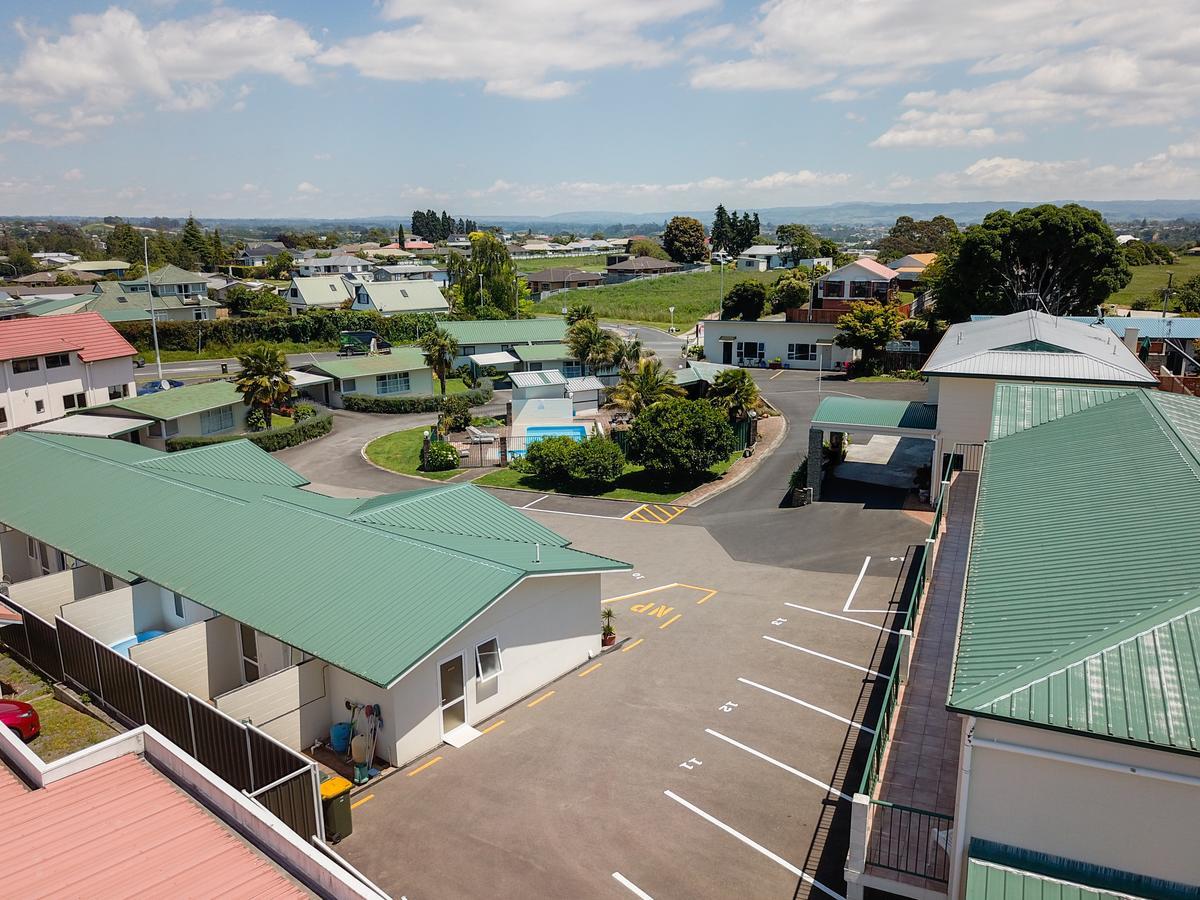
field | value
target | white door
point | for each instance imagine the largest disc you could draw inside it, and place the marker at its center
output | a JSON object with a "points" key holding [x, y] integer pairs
{"points": [[451, 678]]}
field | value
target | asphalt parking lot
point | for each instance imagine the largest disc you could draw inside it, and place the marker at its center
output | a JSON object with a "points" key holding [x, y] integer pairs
{"points": [[709, 754]]}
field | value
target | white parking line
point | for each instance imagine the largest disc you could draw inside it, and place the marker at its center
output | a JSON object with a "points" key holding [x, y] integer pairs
{"points": [[560, 512], [821, 612], [799, 873], [633, 888], [854, 590], [537, 500], [834, 659], [781, 765], [807, 705]]}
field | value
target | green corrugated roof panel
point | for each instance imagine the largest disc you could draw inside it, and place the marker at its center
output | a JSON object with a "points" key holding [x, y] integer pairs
{"points": [[460, 509], [543, 352], [1183, 412], [366, 598], [857, 411], [1017, 407], [401, 359], [988, 881], [180, 401], [1083, 585], [240, 460], [507, 331]]}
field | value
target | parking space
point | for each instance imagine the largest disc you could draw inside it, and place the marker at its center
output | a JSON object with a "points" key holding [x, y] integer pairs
{"points": [[591, 507], [709, 753]]}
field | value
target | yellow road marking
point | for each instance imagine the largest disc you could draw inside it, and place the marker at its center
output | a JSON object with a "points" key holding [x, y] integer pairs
{"points": [[492, 726], [358, 803], [645, 592], [776, 375], [707, 596], [591, 670], [655, 513], [631, 646], [544, 696], [424, 767], [670, 620], [709, 593]]}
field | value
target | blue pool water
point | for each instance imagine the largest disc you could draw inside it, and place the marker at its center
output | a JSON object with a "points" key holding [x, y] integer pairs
{"points": [[122, 647], [537, 432]]}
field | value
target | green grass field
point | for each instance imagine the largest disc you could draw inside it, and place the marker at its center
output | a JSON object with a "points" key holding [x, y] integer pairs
{"points": [[1149, 281], [649, 299], [593, 263], [401, 452]]}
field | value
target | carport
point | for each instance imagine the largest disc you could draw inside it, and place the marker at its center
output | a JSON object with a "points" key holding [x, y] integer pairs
{"points": [[497, 360], [84, 425], [905, 420], [312, 384]]}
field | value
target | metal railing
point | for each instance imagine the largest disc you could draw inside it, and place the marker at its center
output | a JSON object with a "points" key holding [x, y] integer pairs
{"points": [[911, 841]]}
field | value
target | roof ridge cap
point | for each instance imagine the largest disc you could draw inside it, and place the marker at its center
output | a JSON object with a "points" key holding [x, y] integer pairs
{"points": [[1189, 456]]}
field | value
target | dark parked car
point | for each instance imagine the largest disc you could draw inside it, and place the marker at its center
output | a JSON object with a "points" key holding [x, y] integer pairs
{"points": [[360, 343], [21, 718]]}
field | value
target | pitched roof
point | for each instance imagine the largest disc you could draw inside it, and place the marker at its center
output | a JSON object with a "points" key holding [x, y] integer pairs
{"points": [[507, 331], [1031, 344], [563, 273], [865, 263], [142, 831], [644, 264], [98, 265], [178, 401], [912, 262], [422, 295], [345, 585], [543, 352], [172, 274], [322, 290], [85, 333], [341, 259], [1181, 327], [1058, 632], [401, 359], [543, 378]]}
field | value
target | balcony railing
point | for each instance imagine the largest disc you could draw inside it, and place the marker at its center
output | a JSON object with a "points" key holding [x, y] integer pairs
{"points": [[910, 841]]}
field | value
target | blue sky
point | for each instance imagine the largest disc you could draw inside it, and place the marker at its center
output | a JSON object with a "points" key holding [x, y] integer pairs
{"points": [[484, 107]]}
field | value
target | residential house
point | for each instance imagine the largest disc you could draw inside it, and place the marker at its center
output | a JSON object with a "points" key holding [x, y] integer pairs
{"points": [[347, 615], [178, 296], [59, 364], [101, 267], [640, 267], [392, 252], [863, 279], [418, 244], [698, 375], [332, 265], [392, 298], [495, 344], [762, 257], [1045, 741], [909, 269], [797, 345], [193, 410], [317, 292], [55, 259], [561, 278], [401, 372], [405, 273], [258, 254]]}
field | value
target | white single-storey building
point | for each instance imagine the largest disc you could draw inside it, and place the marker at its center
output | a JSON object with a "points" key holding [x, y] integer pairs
{"points": [[796, 345], [342, 264], [399, 373], [391, 298], [278, 605], [762, 257], [193, 410]]}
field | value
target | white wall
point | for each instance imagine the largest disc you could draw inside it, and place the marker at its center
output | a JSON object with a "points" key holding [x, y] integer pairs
{"points": [[224, 662], [15, 564], [106, 617], [180, 658], [532, 409], [776, 336], [45, 595], [289, 705], [1129, 822], [420, 382], [964, 414], [21, 391]]}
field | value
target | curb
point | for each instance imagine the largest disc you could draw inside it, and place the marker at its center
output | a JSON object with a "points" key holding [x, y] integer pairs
{"points": [[758, 457]]}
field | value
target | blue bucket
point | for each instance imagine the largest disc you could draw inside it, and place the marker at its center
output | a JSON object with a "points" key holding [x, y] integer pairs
{"points": [[339, 737]]}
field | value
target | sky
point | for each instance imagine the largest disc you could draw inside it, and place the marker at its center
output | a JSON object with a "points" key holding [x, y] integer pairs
{"points": [[534, 107]]}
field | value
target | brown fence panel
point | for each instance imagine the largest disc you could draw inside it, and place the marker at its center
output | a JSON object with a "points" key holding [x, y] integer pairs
{"points": [[292, 801], [221, 744], [167, 711], [79, 657], [119, 685], [271, 761], [14, 637]]}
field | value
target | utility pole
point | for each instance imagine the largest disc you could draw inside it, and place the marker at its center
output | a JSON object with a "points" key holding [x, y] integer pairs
{"points": [[1167, 293], [150, 292]]}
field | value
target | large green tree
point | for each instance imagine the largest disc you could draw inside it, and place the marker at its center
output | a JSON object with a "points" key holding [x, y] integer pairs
{"points": [[683, 239], [909, 235], [680, 439], [790, 290], [264, 381], [797, 242], [746, 300], [439, 348], [647, 247], [488, 277], [1059, 259], [722, 230], [194, 247], [735, 392], [642, 387], [867, 327]]}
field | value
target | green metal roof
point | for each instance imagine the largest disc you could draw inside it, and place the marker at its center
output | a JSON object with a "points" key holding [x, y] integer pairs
{"points": [[180, 401], [543, 352], [1082, 601], [859, 412], [988, 881], [240, 460], [507, 331], [401, 359], [372, 599], [1018, 407]]}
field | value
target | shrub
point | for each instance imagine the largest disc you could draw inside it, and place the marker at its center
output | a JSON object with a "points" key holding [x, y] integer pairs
{"points": [[269, 440], [550, 458], [519, 464], [303, 411], [456, 413], [441, 457], [415, 403], [597, 460], [256, 420], [680, 439]]}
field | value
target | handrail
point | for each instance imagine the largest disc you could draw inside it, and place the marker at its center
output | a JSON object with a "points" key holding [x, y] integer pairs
{"points": [[913, 809]]}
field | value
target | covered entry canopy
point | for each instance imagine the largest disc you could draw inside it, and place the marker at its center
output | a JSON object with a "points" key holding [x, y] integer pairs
{"points": [[308, 379], [859, 414], [92, 426], [499, 358]]}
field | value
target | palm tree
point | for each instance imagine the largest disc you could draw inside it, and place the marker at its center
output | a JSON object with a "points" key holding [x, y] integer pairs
{"points": [[264, 381], [627, 353], [644, 386], [734, 391], [577, 312], [591, 344], [439, 349]]}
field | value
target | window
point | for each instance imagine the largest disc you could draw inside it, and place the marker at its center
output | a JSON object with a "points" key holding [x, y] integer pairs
{"points": [[214, 420], [3, 416], [178, 606], [39, 406], [392, 383], [198, 314], [466, 350], [248, 641], [171, 427], [750, 349], [58, 361], [833, 288], [74, 401], [348, 386], [29, 364], [802, 352], [117, 391], [487, 660]]}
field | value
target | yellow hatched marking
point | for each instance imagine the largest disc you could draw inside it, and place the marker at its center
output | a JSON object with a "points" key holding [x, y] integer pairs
{"points": [[494, 725], [589, 671], [544, 696], [631, 646], [420, 769], [670, 620]]}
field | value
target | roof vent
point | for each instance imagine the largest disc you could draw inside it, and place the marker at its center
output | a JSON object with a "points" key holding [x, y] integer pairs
{"points": [[537, 553]]}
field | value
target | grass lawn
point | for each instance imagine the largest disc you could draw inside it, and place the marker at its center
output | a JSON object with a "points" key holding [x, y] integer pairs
{"points": [[595, 263], [1149, 281], [635, 484], [453, 386], [278, 421], [648, 299], [401, 452], [64, 729], [222, 351]]}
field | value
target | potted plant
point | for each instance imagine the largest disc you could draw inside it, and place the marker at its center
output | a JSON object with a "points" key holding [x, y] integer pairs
{"points": [[777, 363], [608, 634]]}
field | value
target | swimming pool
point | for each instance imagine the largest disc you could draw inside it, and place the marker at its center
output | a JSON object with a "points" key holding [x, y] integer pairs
{"points": [[141, 637], [537, 432]]}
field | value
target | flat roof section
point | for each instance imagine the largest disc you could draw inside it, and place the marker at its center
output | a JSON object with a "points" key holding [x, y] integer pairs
{"points": [[84, 425], [852, 413]]}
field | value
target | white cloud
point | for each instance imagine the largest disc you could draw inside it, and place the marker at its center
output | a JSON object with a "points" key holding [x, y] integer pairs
{"points": [[307, 187], [322, 156], [102, 63], [530, 49], [240, 103], [1070, 178], [73, 175]]}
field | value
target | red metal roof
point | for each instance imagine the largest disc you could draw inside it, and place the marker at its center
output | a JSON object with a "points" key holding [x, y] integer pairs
{"points": [[87, 333], [121, 829]]}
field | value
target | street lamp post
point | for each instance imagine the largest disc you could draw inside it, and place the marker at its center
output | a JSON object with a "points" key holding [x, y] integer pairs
{"points": [[153, 321], [672, 311]]}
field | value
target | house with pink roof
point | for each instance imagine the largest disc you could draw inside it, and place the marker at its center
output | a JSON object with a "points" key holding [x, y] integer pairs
{"points": [[863, 279]]}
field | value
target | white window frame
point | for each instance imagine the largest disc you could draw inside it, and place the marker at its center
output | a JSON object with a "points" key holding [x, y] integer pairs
{"points": [[484, 679], [809, 355], [401, 379], [348, 386], [223, 416]]}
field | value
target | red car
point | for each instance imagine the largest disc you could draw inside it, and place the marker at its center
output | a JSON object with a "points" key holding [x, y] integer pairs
{"points": [[21, 718]]}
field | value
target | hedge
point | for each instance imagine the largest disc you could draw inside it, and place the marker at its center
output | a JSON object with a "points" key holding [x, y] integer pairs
{"points": [[270, 440], [318, 325], [418, 403]]}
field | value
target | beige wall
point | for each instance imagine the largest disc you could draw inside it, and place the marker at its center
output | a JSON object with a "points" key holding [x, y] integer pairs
{"points": [[224, 664], [1131, 822], [180, 658], [420, 382], [14, 557], [287, 705], [45, 595], [106, 617], [964, 414], [20, 392]]}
